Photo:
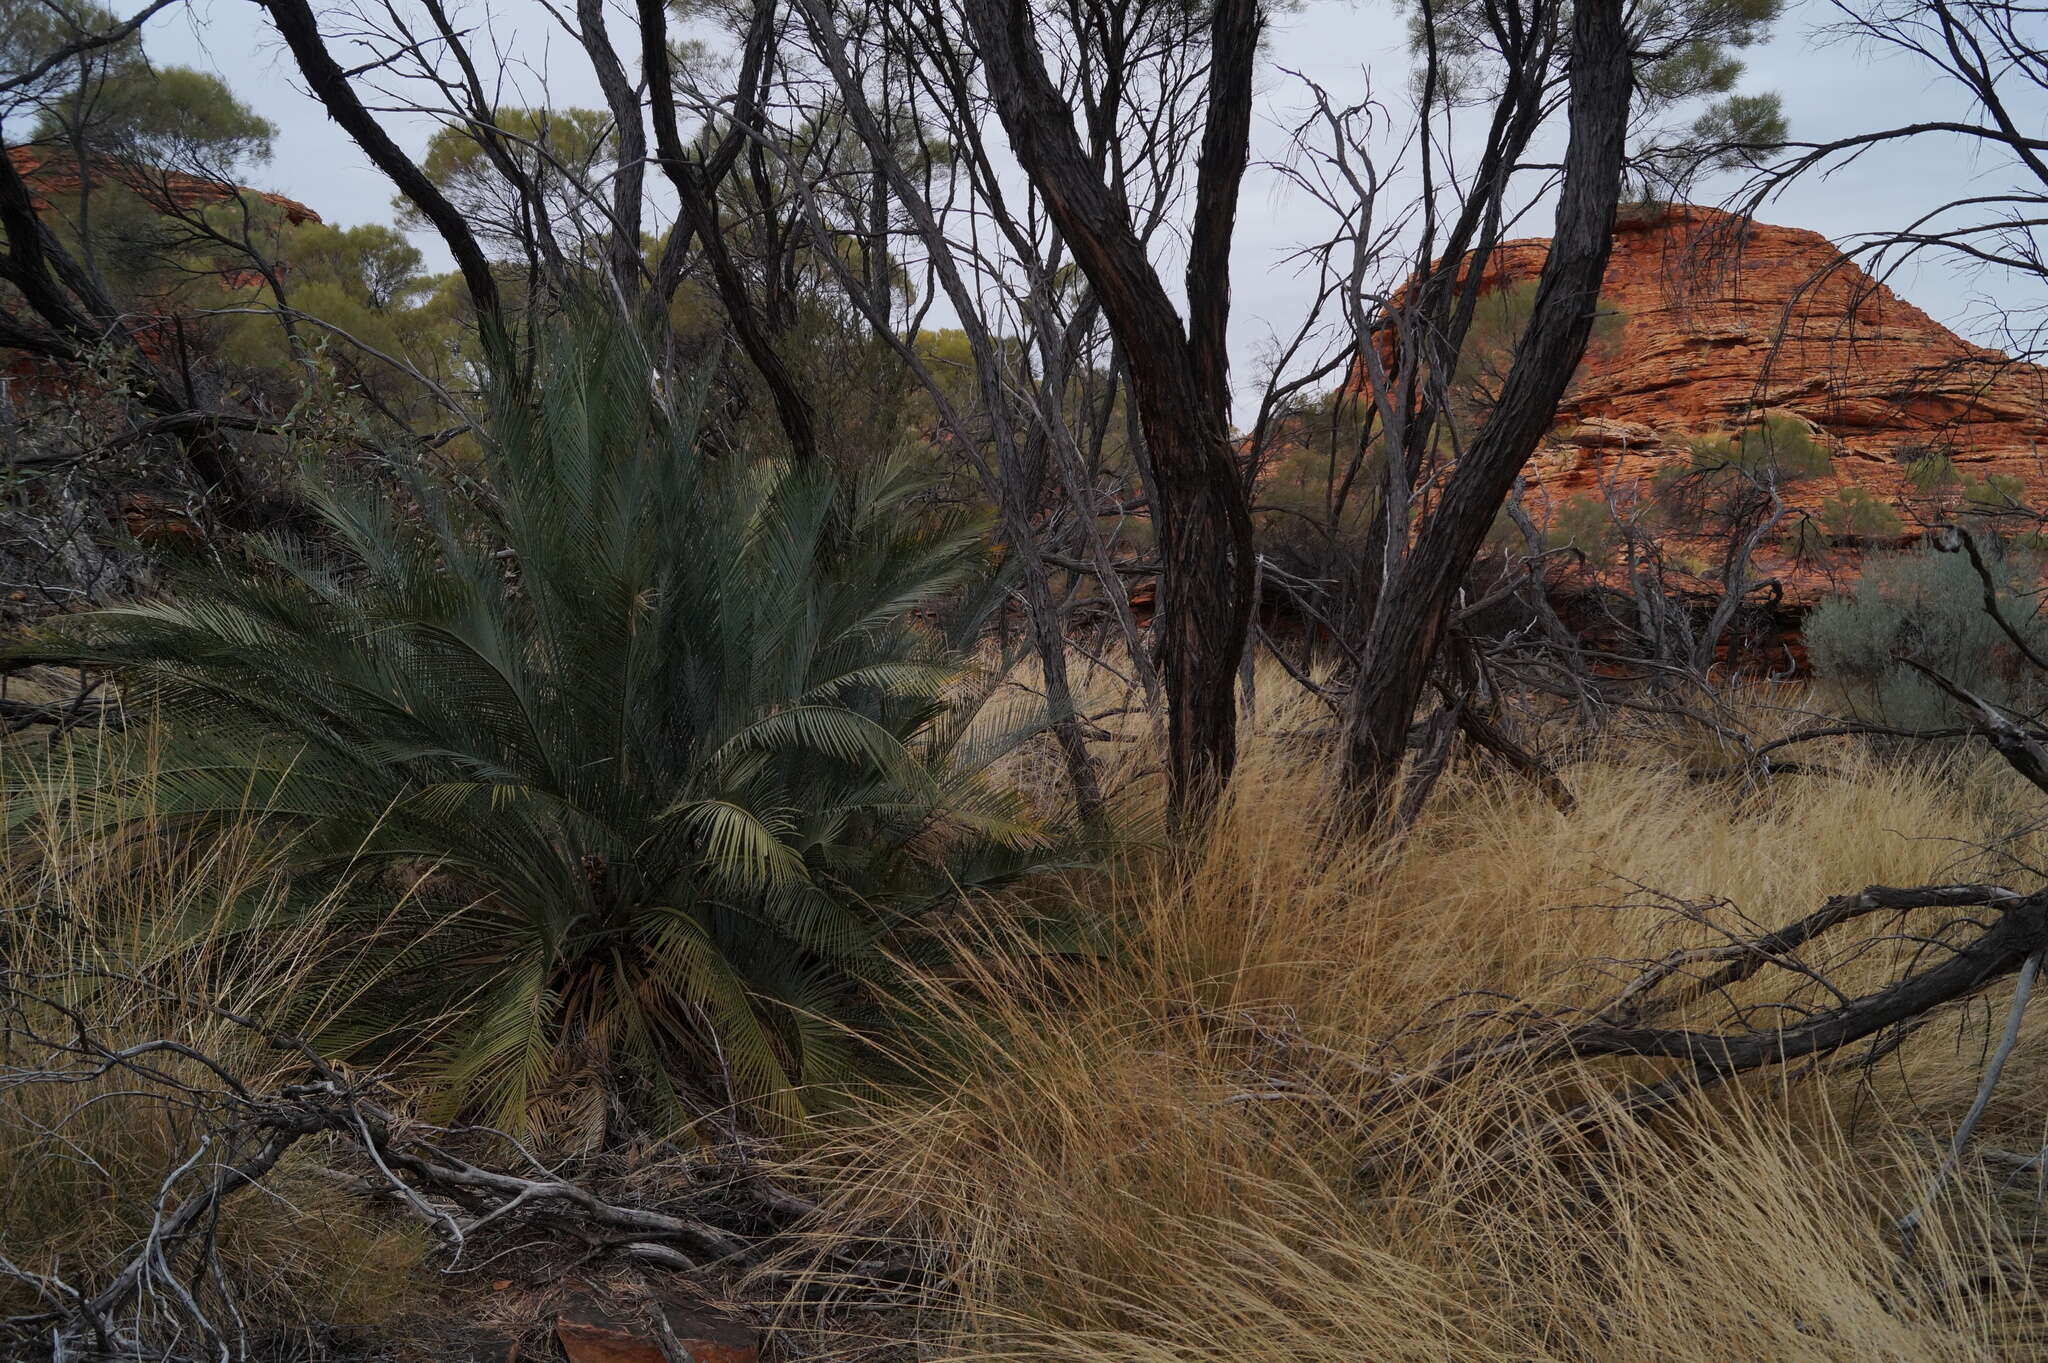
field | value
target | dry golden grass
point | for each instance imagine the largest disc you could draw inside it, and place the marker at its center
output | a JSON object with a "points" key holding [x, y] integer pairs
{"points": [[1158, 1154], [139, 934], [1156, 1159]]}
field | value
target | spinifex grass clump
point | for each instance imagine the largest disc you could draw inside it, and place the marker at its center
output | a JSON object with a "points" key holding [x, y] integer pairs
{"points": [[143, 945], [1163, 1153], [651, 744]]}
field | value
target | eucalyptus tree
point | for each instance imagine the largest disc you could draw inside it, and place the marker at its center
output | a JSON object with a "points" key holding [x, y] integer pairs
{"points": [[1131, 121], [1510, 106]]}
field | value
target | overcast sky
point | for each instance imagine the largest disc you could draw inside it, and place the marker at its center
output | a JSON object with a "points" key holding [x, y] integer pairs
{"points": [[1828, 90]]}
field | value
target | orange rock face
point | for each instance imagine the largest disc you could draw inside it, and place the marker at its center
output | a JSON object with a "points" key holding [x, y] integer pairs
{"points": [[1723, 323], [58, 176]]}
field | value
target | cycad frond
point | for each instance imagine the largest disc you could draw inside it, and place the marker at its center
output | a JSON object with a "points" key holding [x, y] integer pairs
{"points": [[649, 741]]}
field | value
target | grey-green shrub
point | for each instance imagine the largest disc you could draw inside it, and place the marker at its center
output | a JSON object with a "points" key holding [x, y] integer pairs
{"points": [[1584, 523], [1996, 492], [1854, 512], [1777, 449], [1930, 606], [1930, 470]]}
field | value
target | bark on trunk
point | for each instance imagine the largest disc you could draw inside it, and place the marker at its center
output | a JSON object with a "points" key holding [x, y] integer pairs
{"points": [[628, 183], [329, 84], [1179, 382], [696, 185], [1409, 624]]}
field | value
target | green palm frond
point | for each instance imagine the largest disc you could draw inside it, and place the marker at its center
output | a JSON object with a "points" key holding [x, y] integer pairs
{"points": [[740, 847], [655, 749]]}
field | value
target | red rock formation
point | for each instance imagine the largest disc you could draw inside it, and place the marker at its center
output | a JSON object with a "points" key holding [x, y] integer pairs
{"points": [[48, 176], [1723, 323], [164, 191]]}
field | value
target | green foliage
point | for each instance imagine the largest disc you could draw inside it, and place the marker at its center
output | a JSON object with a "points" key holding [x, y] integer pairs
{"points": [[1930, 470], [372, 263], [1930, 606], [1584, 523], [1687, 559], [32, 30], [1854, 512], [1319, 486], [1777, 450], [1995, 492], [1734, 123], [1803, 538], [1687, 55], [1728, 486], [145, 161], [366, 283], [1498, 320], [169, 116], [1696, 43], [1304, 473], [649, 752], [548, 146]]}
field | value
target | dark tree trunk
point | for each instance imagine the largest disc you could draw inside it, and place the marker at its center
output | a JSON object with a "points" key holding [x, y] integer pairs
{"points": [[1412, 614], [629, 182], [696, 184], [329, 84], [77, 316], [1179, 380]]}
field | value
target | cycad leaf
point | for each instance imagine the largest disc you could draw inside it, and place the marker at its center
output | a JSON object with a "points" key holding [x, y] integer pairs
{"points": [[739, 847]]}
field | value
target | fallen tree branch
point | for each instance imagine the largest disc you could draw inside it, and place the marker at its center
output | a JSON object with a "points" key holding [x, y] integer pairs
{"points": [[2021, 748], [167, 1290], [1622, 1027]]}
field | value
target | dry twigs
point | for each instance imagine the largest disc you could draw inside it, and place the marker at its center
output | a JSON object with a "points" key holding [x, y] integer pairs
{"points": [[170, 1298], [1992, 933]]}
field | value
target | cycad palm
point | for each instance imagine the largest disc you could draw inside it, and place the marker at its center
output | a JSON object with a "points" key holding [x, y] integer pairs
{"points": [[654, 735]]}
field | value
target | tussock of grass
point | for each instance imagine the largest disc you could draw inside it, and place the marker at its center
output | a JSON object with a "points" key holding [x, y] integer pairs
{"points": [[1157, 1159], [83, 1166], [1158, 1154]]}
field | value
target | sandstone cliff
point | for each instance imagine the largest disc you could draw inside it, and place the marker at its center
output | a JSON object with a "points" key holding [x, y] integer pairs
{"points": [[58, 177], [1722, 323]]}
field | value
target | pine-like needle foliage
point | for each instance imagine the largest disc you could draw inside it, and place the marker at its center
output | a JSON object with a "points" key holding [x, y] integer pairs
{"points": [[657, 741]]}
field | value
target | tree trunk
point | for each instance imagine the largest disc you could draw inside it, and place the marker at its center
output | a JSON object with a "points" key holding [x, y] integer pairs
{"points": [[330, 85], [696, 184], [622, 243], [1179, 381], [1409, 624]]}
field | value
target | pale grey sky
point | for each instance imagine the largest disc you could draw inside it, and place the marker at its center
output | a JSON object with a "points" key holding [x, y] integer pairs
{"points": [[1828, 91]]}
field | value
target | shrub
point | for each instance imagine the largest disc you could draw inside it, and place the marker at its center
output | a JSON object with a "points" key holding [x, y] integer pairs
{"points": [[1584, 523], [1777, 449], [1929, 605], [1855, 512], [649, 749], [1929, 468], [1499, 317], [1803, 538], [1995, 492], [1734, 480]]}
